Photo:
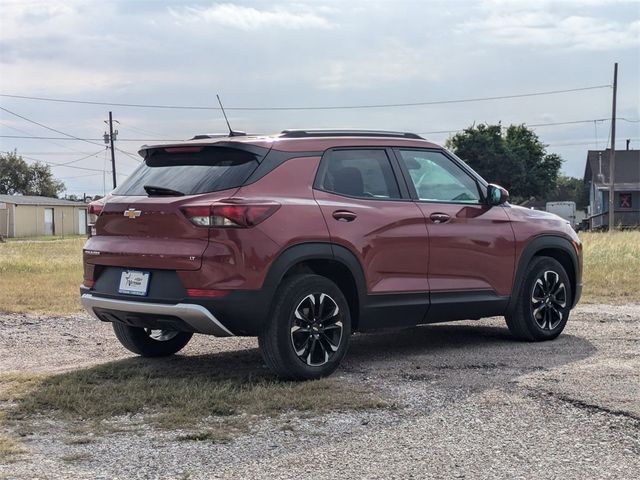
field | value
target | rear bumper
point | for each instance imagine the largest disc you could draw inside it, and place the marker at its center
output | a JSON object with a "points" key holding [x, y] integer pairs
{"points": [[196, 317]]}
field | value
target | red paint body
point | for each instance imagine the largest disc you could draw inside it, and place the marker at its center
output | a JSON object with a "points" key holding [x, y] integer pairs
{"points": [[399, 246]]}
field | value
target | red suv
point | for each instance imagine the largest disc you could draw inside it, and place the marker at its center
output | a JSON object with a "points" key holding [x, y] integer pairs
{"points": [[304, 237]]}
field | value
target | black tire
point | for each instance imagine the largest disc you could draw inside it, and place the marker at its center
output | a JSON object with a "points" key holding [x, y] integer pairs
{"points": [[544, 302], [142, 342], [306, 339]]}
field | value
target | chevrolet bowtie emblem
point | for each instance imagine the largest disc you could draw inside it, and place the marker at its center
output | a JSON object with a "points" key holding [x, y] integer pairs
{"points": [[132, 213]]}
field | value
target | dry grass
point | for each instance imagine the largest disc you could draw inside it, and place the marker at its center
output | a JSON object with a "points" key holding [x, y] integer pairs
{"points": [[9, 448], [202, 396], [48, 238], [611, 267], [75, 457], [175, 392], [41, 277], [16, 385]]}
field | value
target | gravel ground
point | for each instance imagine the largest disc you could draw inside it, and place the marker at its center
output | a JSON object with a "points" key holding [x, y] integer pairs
{"points": [[473, 404]]}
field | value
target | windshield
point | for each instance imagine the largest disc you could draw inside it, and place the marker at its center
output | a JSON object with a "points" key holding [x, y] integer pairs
{"points": [[205, 170]]}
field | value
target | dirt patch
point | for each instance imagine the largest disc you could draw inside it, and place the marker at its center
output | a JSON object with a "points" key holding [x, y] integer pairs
{"points": [[470, 402]]}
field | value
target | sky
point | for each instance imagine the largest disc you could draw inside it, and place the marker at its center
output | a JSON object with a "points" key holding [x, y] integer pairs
{"points": [[309, 54]]}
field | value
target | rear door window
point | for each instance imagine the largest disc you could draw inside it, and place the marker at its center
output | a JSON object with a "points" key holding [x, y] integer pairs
{"points": [[360, 173], [191, 170]]}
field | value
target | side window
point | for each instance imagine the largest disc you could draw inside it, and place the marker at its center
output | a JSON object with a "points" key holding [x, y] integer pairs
{"points": [[359, 173], [438, 179]]}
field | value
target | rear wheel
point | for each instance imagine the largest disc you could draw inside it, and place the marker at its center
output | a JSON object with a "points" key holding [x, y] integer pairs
{"points": [[308, 332], [544, 302], [151, 343]]}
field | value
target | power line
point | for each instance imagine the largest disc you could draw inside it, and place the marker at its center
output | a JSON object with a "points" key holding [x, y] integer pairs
{"points": [[80, 159], [330, 107], [550, 124], [52, 153], [67, 147], [586, 143], [57, 164], [143, 131], [38, 137], [80, 176], [47, 127], [52, 164], [421, 133], [129, 154], [132, 155]]}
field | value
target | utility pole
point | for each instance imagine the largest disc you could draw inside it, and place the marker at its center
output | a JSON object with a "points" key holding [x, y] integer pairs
{"points": [[108, 139], [612, 156]]}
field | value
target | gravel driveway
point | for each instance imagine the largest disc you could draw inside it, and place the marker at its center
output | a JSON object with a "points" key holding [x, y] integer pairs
{"points": [[472, 404]]}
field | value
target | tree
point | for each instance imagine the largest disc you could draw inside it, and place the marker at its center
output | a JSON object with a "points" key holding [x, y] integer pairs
{"points": [[514, 158], [18, 177], [14, 174]]}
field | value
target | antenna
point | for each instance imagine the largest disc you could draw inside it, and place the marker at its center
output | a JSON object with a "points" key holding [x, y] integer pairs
{"points": [[231, 132]]}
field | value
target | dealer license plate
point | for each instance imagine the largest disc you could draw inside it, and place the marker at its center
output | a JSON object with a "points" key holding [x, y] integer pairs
{"points": [[134, 282]]}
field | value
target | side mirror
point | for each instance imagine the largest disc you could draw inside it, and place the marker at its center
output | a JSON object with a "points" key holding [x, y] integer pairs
{"points": [[496, 195]]}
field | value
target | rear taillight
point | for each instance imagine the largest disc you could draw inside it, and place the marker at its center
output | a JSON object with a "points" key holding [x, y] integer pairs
{"points": [[230, 215], [95, 209]]}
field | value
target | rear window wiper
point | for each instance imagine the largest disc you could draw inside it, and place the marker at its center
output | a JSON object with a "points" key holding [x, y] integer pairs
{"points": [[153, 191]]}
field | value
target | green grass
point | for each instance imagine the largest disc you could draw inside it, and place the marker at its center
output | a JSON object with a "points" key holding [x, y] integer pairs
{"points": [[611, 267]]}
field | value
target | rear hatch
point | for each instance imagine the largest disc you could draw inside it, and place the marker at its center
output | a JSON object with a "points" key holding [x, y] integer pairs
{"points": [[142, 224]]}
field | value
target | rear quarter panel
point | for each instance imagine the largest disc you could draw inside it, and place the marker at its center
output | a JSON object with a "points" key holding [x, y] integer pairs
{"points": [[241, 258]]}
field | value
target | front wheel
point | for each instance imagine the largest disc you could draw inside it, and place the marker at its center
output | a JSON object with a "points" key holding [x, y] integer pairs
{"points": [[308, 332], [151, 343], [544, 302]]}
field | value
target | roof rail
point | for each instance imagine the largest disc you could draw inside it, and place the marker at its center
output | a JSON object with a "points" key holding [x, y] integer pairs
{"points": [[204, 136], [346, 133]]}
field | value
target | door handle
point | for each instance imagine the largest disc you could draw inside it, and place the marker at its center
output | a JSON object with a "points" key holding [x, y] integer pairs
{"points": [[344, 216], [439, 217]]}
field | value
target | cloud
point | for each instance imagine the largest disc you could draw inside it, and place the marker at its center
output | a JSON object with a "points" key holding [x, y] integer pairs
{"points": [[393, 62], [514, 5], [249, 18], [544, 29]]}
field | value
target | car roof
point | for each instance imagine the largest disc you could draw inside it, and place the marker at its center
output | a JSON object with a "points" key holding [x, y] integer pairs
{"points": [[306, 140]]}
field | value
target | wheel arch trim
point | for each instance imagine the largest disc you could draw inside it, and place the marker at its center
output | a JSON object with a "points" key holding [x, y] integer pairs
{"points": [[301, 252], [535, 246]]}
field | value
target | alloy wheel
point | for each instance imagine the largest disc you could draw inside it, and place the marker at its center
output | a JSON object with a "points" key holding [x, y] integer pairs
{"points": [[161, 335], [316, 332], [548, 299]]}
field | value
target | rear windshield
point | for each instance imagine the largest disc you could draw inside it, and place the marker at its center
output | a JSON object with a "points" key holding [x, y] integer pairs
{"points": [[208, 170]]}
